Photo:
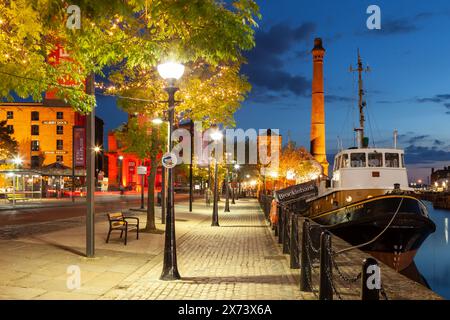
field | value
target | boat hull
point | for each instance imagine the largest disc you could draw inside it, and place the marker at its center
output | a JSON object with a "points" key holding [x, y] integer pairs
{"points": [[392, 227]]}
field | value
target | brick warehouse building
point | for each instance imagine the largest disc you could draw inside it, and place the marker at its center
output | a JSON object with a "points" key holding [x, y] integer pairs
{"points": [[44, 133]]}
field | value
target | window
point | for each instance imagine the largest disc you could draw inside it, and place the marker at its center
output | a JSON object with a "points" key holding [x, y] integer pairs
{"points": [[59, 144], [59, 130], [375, 160], [59, 158], [60, 115], [35, 145], [337, 163], [34, 116], [403, 161], [9, 114], [34, 130], [344, 161], [392, 160], [358, 160], [35, 161], [10, 129]]}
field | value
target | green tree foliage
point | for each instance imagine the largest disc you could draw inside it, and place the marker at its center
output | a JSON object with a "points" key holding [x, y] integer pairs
{"points": [[8, 145], [128, 34], [144, 140]]}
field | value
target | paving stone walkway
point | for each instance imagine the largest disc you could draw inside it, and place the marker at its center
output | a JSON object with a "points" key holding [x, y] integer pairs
{"points": [[238, 260]]}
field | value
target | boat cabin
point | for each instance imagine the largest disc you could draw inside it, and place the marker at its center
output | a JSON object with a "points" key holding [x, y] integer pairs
{"points": [[366, 168]]}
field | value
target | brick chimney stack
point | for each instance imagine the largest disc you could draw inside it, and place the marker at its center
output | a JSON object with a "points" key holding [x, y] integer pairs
{"points": [[318, 148]]}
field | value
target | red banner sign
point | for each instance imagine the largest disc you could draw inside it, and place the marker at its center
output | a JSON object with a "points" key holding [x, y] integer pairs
{"points": [[79, 149]]}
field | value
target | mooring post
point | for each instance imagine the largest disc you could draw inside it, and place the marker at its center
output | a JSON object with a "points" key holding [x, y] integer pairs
{"points": [[276, 226], [280, 224], [325, 285], [305, 265], [370, 280], [294, 242], [286, 231]]}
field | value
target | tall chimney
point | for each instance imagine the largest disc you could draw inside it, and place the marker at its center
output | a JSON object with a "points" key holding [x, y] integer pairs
{"points": [[318, 149]]}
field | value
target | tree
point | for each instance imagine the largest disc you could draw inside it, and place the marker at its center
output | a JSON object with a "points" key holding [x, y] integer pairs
{"points": [[145, 141], [127, 34], [8, 145], [297, 163]]}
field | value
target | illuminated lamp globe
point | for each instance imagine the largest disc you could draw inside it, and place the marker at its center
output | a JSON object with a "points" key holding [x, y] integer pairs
{"points": [[170, 70]]}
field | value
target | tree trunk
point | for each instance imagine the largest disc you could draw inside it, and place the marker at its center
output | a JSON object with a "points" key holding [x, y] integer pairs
{"points": [[151, 197]]}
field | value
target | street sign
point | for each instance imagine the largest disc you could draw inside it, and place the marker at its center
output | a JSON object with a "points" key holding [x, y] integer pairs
{"points": [[142, 170], [297, 193], [169, 160]]}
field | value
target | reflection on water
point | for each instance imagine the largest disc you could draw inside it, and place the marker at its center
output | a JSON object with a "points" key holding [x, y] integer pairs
{"points": [[433, 258]]}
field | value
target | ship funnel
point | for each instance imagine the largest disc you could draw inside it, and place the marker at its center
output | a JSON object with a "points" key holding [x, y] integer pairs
{"points": [[359, 137]]}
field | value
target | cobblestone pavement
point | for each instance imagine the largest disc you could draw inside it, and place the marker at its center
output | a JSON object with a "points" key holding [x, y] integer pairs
{"points": [[238, 260]]}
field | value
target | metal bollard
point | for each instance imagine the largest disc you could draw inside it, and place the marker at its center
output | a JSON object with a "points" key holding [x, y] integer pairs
{"points": [[280, 224], [315, 232], [305, 266], [326, 272], [286, 231], [370, 280], [294, 242], [276, 226]]}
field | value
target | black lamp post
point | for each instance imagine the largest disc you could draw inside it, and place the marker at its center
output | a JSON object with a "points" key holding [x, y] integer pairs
{"points": [[171, 72], [216, 136]]}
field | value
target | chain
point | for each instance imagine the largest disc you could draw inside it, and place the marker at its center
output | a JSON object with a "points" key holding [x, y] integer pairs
{"points": [[309, 275], [308, 236], [310, 261], [330, 277], [339, 272]]}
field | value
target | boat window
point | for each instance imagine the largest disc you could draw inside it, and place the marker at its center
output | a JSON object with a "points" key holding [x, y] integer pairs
{"points": [[403, 161], [344, 161], [375, 159], [358, 160], [392, 160], [337, 163]]}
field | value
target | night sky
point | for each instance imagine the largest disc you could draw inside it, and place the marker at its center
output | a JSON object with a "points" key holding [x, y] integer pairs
{"points": [[407, 89]]}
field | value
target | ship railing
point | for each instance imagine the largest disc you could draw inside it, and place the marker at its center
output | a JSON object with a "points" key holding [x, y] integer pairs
{"points": [[325, 272]]}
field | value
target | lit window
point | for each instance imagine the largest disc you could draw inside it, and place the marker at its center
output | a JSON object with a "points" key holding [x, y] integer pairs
{"points": [[392, 160], [35, 145], [60, 115], [59, 130], [9, 115], [10, 129], [375, 160], [358, 160], [59, 158]]}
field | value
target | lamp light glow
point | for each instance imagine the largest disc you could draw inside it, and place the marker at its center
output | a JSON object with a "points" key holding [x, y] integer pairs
{"points": [[171, 70], [216, 135], [157, 121]]}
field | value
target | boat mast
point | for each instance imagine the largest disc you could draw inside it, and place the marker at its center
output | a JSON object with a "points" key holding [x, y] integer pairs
{"points": [[362, 103]]}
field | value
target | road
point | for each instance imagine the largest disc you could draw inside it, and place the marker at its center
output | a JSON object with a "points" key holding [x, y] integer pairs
{"points": [[103, 204]]}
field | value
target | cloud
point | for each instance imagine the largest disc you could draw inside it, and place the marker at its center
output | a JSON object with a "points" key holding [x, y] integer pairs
{"points": [[420, 154], [395, 26], [416, 139], [443, 99], [266, 69], [330, 98]]}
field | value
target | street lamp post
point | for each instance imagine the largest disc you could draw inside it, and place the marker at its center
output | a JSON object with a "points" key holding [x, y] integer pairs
{"points": [[159, 121], [171, 72], [227, 191], [120, 174], [216, 136], [97, 149], [236, 168]]}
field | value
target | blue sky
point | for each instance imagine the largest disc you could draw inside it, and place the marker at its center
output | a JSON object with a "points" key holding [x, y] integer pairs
{"points": [[408, 88]]}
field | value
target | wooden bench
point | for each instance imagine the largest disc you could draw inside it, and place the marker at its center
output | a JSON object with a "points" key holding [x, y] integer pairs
{"points": [[16, 197], [117, 221]]}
